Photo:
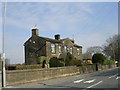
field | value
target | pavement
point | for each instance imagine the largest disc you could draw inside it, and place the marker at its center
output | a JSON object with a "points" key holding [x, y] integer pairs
{"points": [[100, 79]]}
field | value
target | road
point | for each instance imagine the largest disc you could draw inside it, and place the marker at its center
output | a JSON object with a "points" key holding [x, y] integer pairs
{"points": [[100, 79]]}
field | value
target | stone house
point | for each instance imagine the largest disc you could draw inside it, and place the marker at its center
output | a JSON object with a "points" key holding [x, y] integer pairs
{"points": [[40, 49]]}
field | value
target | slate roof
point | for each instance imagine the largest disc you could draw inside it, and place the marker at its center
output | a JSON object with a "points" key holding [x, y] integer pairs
{"points": [[50, 40], [54, 40]]}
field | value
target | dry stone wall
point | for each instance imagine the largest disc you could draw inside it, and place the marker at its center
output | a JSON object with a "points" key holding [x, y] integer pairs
{"points": [[24, 76]]}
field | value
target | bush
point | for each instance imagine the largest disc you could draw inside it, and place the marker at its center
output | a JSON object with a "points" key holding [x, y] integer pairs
{"points": [[71, 60], [109, 62], [55, 62], [68, 59], [61, 64], [75, 63], [98, 58], [22, 67]]}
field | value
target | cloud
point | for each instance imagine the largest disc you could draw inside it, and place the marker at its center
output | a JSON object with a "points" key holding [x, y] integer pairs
{"points": [[50, 15], [23, 24]]}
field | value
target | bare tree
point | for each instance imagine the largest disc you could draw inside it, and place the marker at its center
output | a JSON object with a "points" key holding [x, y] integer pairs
{"points": [[87, 55], [95, 49], [111, 48], [91, 51]]}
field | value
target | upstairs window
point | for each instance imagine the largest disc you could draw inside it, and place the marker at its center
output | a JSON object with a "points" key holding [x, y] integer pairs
{"points": [[52, 48], [65, 48], [71, 50], [59, 49], [78, 51], [33, 41]]}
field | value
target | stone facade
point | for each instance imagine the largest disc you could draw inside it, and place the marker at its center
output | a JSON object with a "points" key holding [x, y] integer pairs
{"points": [[40, 49]]}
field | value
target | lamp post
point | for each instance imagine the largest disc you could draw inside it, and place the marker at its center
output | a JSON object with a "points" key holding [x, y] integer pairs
{"points": [[3, 52]]}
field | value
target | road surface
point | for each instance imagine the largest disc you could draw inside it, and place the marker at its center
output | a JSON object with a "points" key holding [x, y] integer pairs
{"points": [[100, 79]]}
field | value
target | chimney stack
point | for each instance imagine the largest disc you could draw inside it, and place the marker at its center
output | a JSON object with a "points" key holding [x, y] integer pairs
{"points": [[72, 41], [57, 37], [35, 32]]}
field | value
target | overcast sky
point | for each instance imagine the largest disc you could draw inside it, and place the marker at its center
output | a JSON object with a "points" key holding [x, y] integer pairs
{"points": [[90, 24]]}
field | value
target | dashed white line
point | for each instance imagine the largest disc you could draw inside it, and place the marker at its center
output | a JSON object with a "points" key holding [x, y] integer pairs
{"points": [[117, 77], [90, 81], [77, 76], [95, 84], [78, 81], [112, 76]]}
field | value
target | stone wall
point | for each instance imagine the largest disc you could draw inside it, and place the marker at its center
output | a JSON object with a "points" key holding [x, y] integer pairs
{"points": [[24, 76]]}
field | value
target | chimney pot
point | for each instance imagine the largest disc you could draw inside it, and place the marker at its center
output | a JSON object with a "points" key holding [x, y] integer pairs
{"points": [[35, 32], [57, 37]]}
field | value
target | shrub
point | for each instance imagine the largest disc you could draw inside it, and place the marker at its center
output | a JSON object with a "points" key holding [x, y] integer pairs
{"points": [[71, 60], [61, 64], [54, 62], [75, 63], [68, 59], [98, 58], [109, 62], [22, 67]]}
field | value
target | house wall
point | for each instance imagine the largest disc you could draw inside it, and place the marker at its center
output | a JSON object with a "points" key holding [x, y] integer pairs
{"points": [[67, 43], [48, 50], [34, 48], [75, 53], [37, 47]]}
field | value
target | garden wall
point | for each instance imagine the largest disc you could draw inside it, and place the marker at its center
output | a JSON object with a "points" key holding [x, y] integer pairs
{"points": [[24, 76]]}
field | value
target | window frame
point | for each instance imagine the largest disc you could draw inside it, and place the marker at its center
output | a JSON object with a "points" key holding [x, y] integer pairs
{"points": [[65, 48], [78, 51], [71, 50], [53, 47], [59, 48]]}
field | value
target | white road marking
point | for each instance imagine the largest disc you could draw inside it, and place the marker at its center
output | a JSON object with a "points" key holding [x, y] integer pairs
{"points": [[11, 87], [117, 77], [90, 81], [77, 76], [112, 76], [95, 84], [78, 81]]}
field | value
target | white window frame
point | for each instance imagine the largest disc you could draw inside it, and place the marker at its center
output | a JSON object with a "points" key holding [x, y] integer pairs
{"points": [[33, 41], [52, 47], [59, 49], [65, 48], [71, 50], [78, 51]]}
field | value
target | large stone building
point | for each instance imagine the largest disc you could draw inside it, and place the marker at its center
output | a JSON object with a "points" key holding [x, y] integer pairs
{"points": [[40, 49]]}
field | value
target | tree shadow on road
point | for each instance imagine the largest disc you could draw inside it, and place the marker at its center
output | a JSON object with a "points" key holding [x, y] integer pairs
{"points": [[56, 86], [107, 73]]}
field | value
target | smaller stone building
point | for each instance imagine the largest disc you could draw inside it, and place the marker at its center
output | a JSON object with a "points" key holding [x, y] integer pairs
{"points": [[40, 49]]}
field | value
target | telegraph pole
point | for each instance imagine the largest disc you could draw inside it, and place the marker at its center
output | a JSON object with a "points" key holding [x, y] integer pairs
{"points": [[3, 52]]}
